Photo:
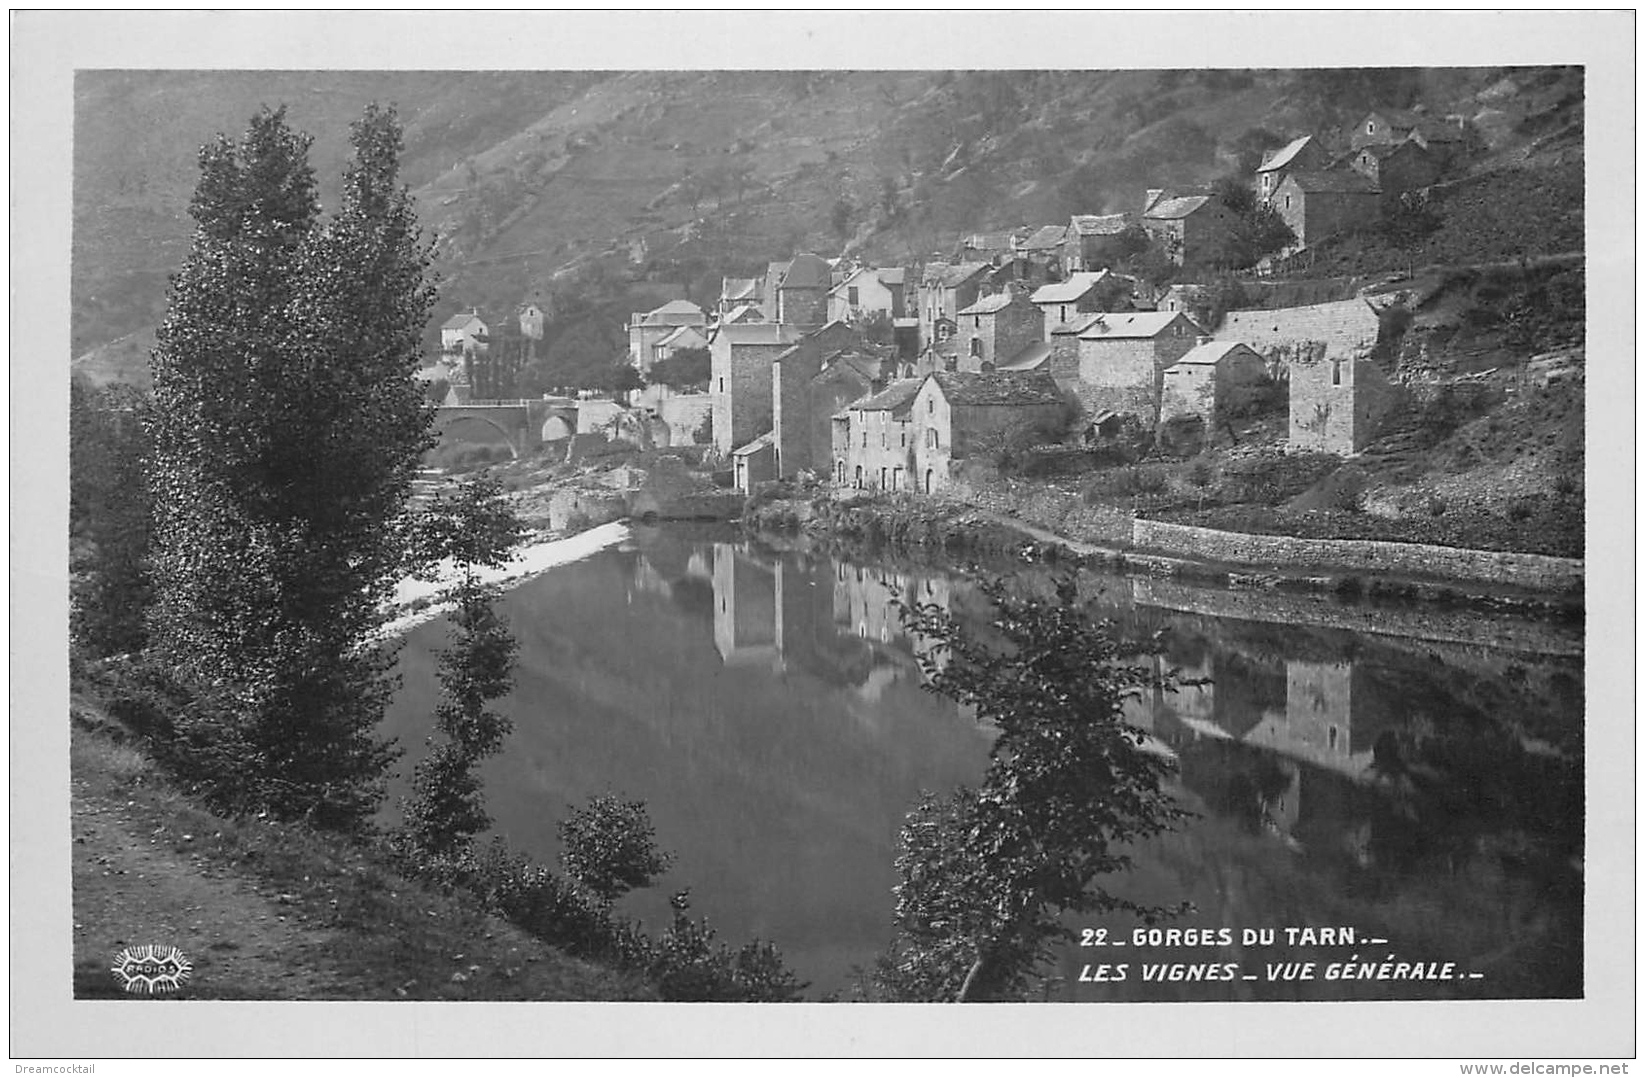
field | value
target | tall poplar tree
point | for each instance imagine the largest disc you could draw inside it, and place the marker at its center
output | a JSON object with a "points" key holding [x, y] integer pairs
{"points": [[286, 432]]}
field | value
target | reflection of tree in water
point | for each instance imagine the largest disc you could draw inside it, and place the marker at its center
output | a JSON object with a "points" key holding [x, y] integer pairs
{"points": [[985, 873]]}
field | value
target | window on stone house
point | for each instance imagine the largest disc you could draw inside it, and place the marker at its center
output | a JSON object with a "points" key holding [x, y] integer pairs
{"points": [[930, 406], [1287, 201], [931, 438], [851, 295], [1336, 372], [976, 346], [865, 439], [1371, 127], [722, 385]]}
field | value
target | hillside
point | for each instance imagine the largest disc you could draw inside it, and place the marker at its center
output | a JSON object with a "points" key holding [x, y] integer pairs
{"points": [[525, 175]]}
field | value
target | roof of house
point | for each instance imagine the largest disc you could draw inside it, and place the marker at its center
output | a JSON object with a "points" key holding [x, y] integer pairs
{"points": [[679, 312], [747, 312], [1285, 154], [1074, 326], [1028, 359], [1092, 224], [806, 271], [1339, 181], [891, 276], [896, 397], [736, 288], [759, 332], [1077, 285], [764, 441], [863, 362], [987, 241], [952, 274], [1129, 324], [1210, 353], [1045, 238], [679, 333], [1175, 207], [989, 304], [461, 319], [997, 388]]}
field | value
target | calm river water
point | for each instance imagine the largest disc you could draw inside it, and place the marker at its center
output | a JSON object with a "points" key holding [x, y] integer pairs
{"points": [[1409, 779]]}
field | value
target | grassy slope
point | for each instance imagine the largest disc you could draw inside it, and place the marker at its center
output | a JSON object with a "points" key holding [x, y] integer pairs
{"points": [[268, 911]]}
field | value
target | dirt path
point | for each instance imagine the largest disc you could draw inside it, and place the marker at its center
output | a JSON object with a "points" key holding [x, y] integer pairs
{"points": [[132, 886]]}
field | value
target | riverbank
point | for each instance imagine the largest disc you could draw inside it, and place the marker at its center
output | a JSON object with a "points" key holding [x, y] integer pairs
{"points": [[1461, 579], [274, 911]]}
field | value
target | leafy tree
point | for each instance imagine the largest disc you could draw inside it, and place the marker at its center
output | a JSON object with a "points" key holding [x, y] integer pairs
{"points": [[287, 428], [685, 368], [610, 847], [472, 529], [840, 217], [877, 328], [110, 517], [985, 874]]}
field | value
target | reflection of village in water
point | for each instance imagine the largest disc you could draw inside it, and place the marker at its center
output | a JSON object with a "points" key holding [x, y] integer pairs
{"points": [[1345, 764], [1311, 741]]}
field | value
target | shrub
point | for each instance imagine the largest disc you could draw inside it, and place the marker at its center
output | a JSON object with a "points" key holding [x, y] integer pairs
{"points": [[610, 848]]}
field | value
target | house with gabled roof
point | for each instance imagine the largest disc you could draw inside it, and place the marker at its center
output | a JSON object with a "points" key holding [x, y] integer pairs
{"points": [[871, 441], [865, 291], [1318, 205], [995, 328], [802, 291], [463, 331], [946, 288], [792, 371], [1192, 228], [1207, 380], [957, 414], [1087, 238], [1303, 154], [1404, 166], [1123, 357], [647, 329], [1083, 292]]}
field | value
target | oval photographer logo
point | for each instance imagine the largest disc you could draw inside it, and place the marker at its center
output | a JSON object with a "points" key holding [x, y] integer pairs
{"points": [[151, 969]]}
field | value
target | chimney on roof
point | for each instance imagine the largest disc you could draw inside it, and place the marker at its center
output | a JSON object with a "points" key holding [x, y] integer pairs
{"points": [[1204, 338], [1154, 194]]}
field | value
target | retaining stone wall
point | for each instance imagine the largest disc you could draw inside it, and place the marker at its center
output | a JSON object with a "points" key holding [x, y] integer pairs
{"points": [[1362, 555]]}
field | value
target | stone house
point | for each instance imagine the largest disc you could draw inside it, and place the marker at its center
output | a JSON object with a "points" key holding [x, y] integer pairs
{"points": [[748, 312], [791, 374], [754, 463], [1405, 166], [1123, 358], [1193, 229], [866, 291], [740, 358], [646, 330], [995, 248], [462, 332], [1206, 381], [768, 289], [946, 289], [1040, 254], [1336, 401], [1318, 205], [1087, 240], [1082, 293], [957, 415], [531, 317], [1304, 154], [995, 328], [872, 440], [847, 375], [689, 417], [802, 291]]}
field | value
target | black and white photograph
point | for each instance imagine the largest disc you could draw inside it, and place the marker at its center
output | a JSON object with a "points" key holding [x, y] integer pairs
{"points": [[746, 519]]}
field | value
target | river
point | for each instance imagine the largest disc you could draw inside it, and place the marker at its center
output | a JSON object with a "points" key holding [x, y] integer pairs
{"points": [[1409, 779]]}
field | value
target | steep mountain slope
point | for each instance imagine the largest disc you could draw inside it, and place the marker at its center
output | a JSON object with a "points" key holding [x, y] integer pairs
{"points": [[526, 175]]}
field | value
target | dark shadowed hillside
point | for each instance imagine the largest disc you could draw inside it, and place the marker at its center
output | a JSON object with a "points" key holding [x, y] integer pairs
{"points": [[683, 176]]}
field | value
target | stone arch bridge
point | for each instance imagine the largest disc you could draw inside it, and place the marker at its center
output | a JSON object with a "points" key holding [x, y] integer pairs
{"points": [[516, 423]]}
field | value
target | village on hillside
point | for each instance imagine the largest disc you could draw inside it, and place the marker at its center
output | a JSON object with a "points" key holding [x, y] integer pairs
{"points": [[890, 377]]}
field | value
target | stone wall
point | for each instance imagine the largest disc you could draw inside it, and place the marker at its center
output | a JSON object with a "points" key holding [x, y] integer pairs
{"points": [[1362, 556], [1336, 329]]}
